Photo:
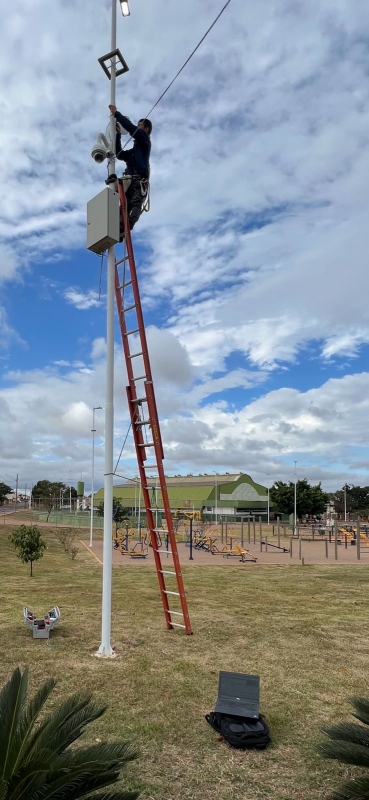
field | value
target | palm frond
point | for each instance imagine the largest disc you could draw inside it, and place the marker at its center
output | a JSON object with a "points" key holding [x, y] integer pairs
{"points": [[349, 732], [361, 706], [12, 700], [21, 744], [66, 724], [352, 790], [103, 756], [3, 789], [346, 752]]}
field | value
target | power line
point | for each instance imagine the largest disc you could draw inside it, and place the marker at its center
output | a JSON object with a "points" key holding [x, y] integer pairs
{"points": [[189, 57], [184, 65]]}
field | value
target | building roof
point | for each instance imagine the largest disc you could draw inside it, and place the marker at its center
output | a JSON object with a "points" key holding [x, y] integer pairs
{"points": [[205, 479]]}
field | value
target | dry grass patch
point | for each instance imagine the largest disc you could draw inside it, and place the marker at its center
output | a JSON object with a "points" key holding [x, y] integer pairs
{"points": [[303, 629]]}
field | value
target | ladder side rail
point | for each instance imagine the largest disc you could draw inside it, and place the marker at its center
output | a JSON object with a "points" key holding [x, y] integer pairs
{"points": [[169, 522], [135, 289], [151, 523], [141, 325], [155, 427], [126, 350]]}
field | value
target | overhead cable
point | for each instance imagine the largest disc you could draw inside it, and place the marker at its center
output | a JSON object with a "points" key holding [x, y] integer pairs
{"points": [[189, 57], [184, 65]]}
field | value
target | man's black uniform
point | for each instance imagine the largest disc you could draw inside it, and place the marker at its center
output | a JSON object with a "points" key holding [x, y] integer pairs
{"points": [[138, 165]]}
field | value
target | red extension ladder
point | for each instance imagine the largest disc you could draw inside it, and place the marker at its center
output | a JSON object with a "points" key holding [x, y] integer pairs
{"points": [[145, 424]]}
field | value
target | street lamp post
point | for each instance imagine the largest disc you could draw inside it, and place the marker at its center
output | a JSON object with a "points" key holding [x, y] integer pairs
{"points": [[216, 497], [295, 503], [105, 649], [16, 487], [95, 408], [268, 474]]}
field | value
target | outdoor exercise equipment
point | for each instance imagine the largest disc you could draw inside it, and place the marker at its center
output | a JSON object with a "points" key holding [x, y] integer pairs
{"points": [[41, 627], [181, 512], [233, 551]]}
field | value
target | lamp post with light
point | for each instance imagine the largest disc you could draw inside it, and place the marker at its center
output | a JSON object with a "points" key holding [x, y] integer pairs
{"points": [[93, 431], [16, 487], [105, 649]]}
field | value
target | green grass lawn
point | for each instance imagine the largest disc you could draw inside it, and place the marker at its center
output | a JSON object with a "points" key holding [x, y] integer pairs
{"points": [[303, 629]]}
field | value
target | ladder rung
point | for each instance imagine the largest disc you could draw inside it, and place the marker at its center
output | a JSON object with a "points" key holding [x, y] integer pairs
{"points": [[177, 624], [165, 591], [177, 613], [147, 444], [140, 378], [129, 333], [126, 258], [163, 551], [136, 354], [129, 308], [166, 572], [138, 399], [123, 285], [143, 422]]}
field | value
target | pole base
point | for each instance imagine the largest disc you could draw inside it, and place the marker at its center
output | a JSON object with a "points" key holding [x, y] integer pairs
{"points": [[102, 653]]}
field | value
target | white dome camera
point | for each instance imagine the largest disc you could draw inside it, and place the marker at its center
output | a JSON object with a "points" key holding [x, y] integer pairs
{"points": [[102, 149]]}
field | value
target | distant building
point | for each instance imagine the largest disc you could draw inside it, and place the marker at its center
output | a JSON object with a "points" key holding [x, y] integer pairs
{"points": [[209, 493]]}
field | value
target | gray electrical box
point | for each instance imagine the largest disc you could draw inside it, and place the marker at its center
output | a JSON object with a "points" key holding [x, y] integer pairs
{"points": [[103, 221]]}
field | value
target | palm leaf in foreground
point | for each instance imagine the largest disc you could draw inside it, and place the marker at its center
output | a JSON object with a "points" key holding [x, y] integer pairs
{"points": [[37, 759], [349, 744]]}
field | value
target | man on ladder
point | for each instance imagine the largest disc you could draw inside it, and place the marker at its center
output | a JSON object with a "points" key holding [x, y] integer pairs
{"points": [[137, 162]]}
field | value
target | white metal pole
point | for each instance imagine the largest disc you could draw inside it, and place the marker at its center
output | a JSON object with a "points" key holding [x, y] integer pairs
{"points": [[92, 479], [105, 648], [344, 494], [268, 504], [295, 504]]}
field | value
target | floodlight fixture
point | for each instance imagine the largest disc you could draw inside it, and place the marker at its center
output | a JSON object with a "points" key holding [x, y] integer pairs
{"points": [[124, 4]]}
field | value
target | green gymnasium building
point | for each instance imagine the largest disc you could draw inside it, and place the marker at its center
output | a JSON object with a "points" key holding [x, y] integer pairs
{"points": [[212, 494]]}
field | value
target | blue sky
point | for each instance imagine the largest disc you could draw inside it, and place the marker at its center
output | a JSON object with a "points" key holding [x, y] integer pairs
{"points": [[253, 259]]}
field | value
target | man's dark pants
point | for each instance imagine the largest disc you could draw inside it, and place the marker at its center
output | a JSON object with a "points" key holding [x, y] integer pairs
{"points": [[134, 202]]}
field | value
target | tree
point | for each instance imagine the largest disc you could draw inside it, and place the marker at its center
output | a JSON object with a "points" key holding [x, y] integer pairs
{"points": [[349, 744], [357, 499], [48, 490], [310, 499], [38, 759], [119, 513], [4, 490], [29, 544]]}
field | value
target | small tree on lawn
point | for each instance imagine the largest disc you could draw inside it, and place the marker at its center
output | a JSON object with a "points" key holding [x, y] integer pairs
{"points": [[28, 544], [349, 744], [119, 512]]}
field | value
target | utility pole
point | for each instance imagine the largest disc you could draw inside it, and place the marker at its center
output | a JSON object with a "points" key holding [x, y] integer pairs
{"points": [[105, 208], [295, 503], [216, 497], [96, 408], [105, 649]]}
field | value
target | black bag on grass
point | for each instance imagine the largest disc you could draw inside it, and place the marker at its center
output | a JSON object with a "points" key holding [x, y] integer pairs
{"points": [[239, 731]]}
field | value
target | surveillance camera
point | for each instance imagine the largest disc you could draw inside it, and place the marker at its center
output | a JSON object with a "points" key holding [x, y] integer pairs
{"points": [[102, 149], [98, 153]]}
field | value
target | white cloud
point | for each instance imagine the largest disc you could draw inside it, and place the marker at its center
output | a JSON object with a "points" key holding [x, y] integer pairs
{"points": [[82, 300], [257, 239]]}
